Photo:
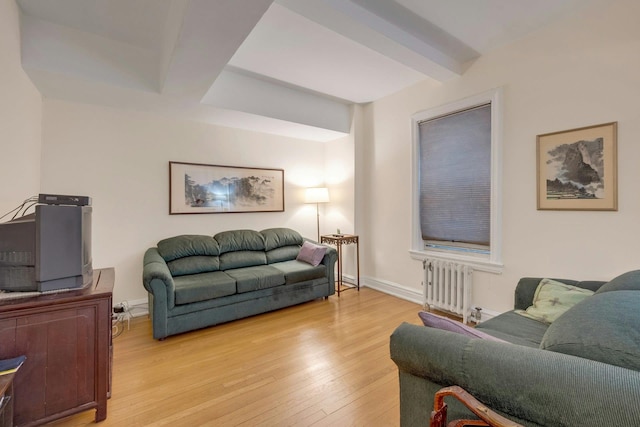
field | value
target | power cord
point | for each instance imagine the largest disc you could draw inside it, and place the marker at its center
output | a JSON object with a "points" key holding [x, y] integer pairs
{"points": [[33, 200], [120, 314]]}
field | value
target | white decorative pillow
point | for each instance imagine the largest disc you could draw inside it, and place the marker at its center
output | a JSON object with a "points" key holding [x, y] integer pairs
{"points": [[552, 299]]}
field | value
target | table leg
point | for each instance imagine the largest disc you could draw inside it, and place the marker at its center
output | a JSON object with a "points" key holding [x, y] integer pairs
{"points": [[339, 248], [358, 265]]}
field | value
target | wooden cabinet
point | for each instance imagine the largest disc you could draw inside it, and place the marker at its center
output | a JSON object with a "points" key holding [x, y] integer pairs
{"points": [[66, 337], [6, 400]]}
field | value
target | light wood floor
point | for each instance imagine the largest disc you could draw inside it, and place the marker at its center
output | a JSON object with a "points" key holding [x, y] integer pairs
{"points": [[323, 363]]}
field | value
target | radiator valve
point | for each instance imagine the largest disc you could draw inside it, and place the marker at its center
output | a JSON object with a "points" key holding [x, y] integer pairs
{"points": [[478, 314]]}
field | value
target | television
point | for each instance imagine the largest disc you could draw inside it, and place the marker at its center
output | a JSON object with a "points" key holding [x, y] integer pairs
{"points": [[47, 250]]}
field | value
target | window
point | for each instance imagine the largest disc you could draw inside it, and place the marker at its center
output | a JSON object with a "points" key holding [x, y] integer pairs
{"points": [[456, 187]]}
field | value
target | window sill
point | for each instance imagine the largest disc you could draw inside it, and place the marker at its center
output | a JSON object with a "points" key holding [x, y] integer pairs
{"points": [[479, 263]]}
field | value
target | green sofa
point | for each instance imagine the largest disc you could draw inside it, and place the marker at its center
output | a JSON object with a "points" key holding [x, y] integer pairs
{"points": [[196, 281], [582, 370]]}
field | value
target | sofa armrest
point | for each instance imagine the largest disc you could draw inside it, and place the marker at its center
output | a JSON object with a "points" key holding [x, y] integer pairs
{"points": [[541, 387], [525, 290], [157, 278], [329, 261]]}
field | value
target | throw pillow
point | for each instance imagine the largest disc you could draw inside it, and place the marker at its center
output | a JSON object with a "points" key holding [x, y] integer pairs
{"points": [[311, 253], [440, 322], [605, 327], [552, 299], [629, 281]]}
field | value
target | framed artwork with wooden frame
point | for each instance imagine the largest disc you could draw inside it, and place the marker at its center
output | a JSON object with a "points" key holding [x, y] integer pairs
{"points": [[196, 188], [577, 169]]}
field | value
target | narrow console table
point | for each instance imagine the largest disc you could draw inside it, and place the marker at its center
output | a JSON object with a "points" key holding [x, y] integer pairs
{"points": [[66, 337], [338, 240]]}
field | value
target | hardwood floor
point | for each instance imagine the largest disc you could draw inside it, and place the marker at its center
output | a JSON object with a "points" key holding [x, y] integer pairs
{"points": [[323, 363]]}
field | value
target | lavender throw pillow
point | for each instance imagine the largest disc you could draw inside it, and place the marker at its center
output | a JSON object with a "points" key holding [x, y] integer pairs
{"points": [[439, 322], [311, 254]]}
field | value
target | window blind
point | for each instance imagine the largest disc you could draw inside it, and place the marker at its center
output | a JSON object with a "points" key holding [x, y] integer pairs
{"points": [[455, 178]]}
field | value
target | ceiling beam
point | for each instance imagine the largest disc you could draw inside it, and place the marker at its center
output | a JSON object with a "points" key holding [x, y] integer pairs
{"points": [[210, 34], [392, 30], [240, 91]]}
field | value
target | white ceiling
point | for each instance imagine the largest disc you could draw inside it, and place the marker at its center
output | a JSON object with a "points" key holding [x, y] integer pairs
{"points": [[291, 67]]}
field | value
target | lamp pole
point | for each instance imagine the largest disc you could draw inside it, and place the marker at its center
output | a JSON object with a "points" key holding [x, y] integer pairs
{"points": [[318, 220], [317, 195]]}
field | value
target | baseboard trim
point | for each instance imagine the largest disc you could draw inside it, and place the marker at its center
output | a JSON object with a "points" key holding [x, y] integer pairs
{"points": [[488, 314], [404, 293], [392, 288]]}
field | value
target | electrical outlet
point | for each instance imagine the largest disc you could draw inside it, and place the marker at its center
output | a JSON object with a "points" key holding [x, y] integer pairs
{"points": [[118, 308]]}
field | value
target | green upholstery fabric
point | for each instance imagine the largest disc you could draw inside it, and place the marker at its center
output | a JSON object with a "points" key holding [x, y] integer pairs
{"points": [[204, 286], [204, 281], [187, 245], [284, 253], [298, 271], [531, 386], [584, 372], [604, 327], [629, 281], [188, 317], [239, 240], [155, 272], [279, 237], [193, 265], [516, 329], [241, 259], [255, 278]]}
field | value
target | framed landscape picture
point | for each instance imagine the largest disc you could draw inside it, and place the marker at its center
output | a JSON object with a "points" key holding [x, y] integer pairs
{"points": [[577, 169], [199, 188]]}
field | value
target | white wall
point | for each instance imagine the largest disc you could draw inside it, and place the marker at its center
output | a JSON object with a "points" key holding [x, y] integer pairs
{"points": [[339, 214], [121, 159], [578, 72], [20, 117]]}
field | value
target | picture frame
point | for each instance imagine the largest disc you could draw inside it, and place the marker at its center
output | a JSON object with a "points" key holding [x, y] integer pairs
{"points": [[577, 169], [196, 188]]}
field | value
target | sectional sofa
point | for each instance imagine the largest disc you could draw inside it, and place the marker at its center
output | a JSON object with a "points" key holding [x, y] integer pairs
{"points": [[195, 281], [579, 369]]}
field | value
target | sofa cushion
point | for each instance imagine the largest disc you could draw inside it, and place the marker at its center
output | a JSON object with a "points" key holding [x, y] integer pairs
{"points": [[203, 286], [311, 253], [440, 322], [254, 278], [193, 265], [552, 299], [515, 328], [605, 327], [187, 245], [241, 259], [284, 253], [279, 237], [629, 281], [298, 271], [239, 240]]}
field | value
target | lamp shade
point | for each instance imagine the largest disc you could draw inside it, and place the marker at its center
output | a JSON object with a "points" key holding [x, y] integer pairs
{"points": [[316, 195]]}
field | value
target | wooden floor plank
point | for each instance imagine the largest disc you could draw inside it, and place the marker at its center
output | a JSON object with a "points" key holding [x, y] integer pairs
{"points": [[323, 363]]}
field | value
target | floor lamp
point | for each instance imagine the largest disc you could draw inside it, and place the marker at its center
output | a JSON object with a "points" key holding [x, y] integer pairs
{"points": [[317, 195]]}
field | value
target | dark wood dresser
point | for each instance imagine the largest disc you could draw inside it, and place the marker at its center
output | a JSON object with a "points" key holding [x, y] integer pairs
{"points": [[66, 337]]}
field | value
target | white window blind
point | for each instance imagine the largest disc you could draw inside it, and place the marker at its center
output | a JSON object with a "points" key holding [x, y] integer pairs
{"points": [[455, 179]]}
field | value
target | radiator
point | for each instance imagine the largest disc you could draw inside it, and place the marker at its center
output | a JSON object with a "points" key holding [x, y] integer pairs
{"points": [[447, 286]]}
